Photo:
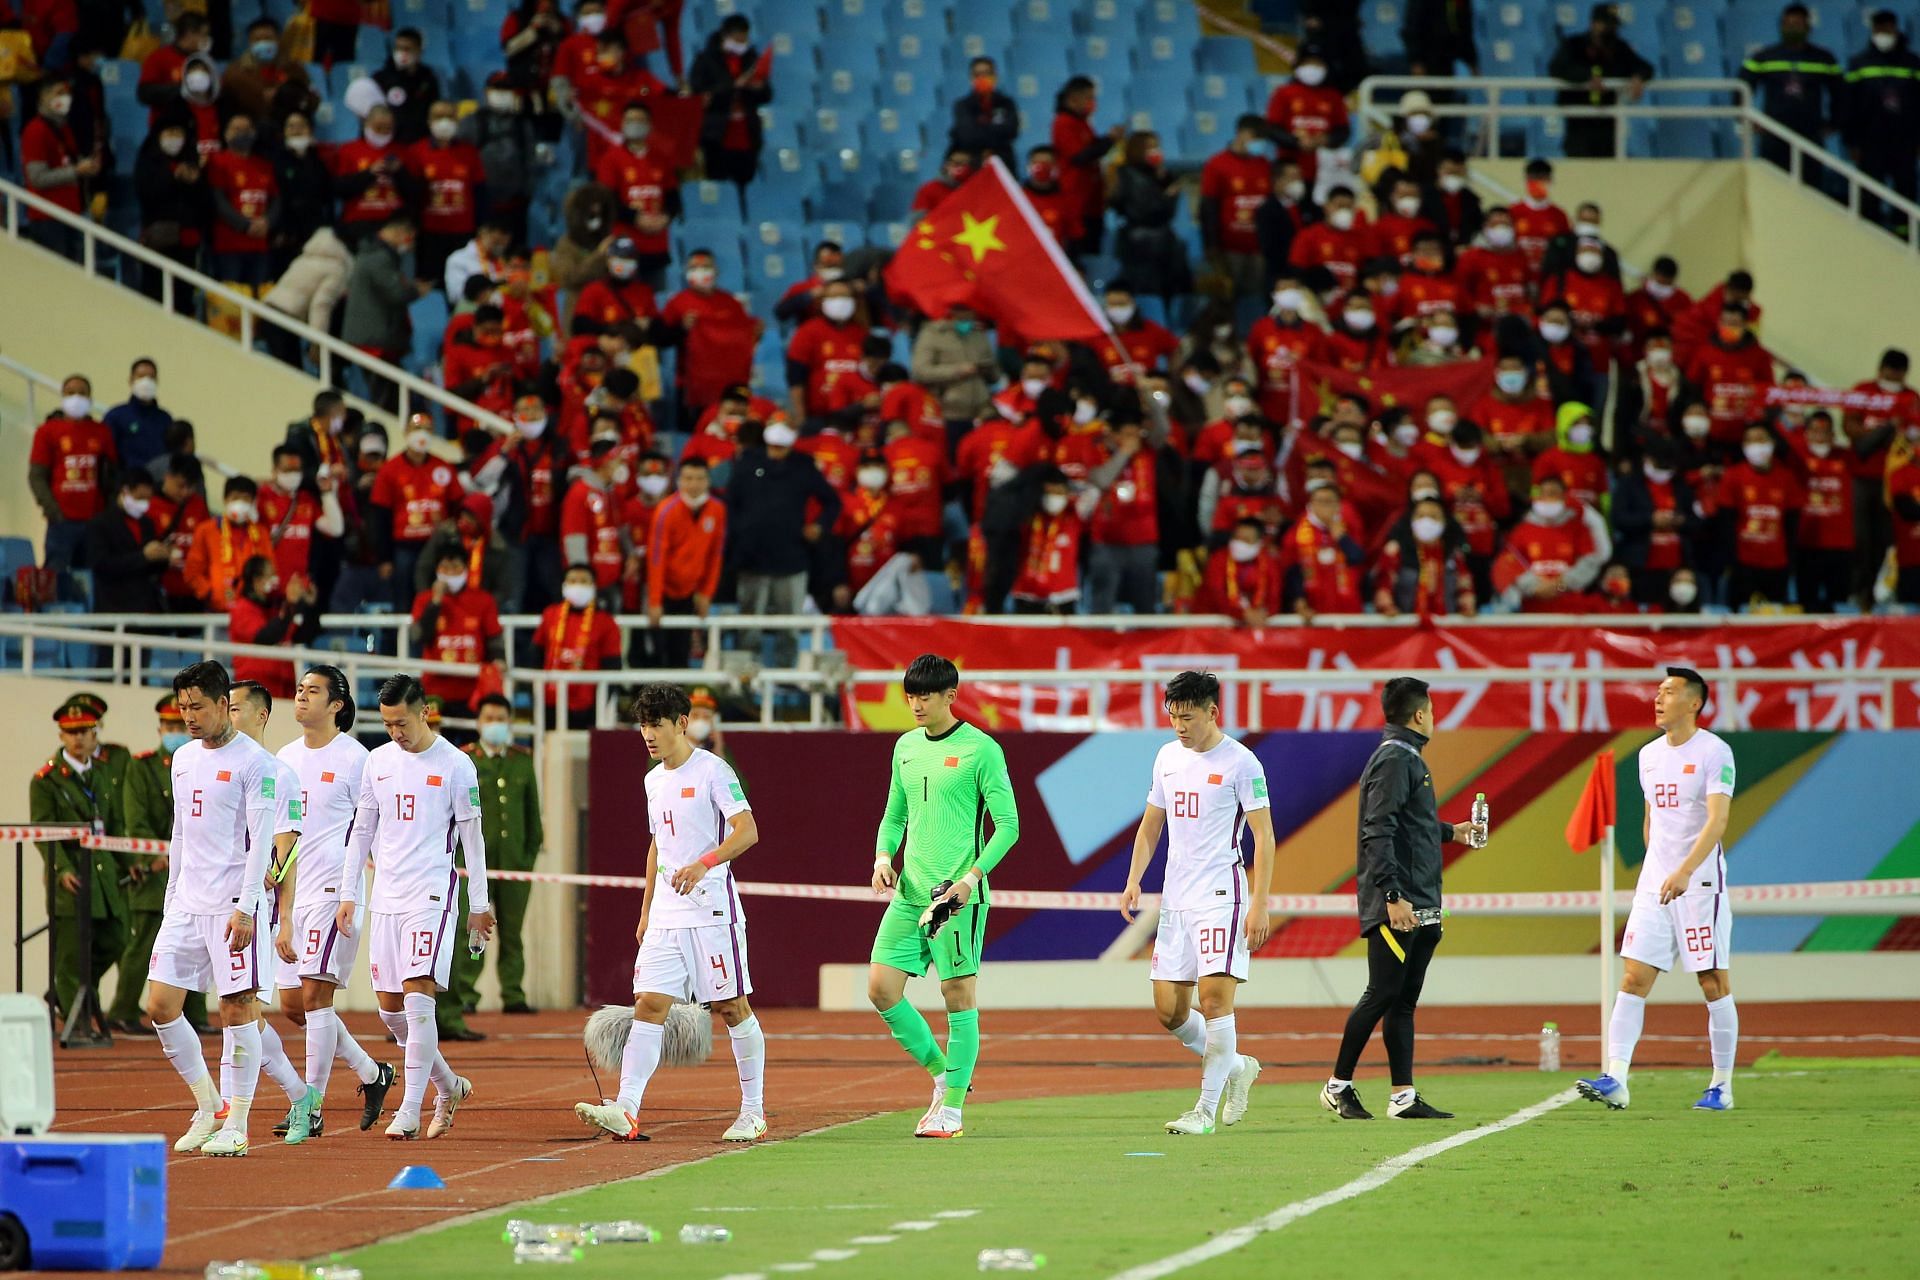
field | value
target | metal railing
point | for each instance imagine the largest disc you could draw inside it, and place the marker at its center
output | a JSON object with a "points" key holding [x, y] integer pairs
{"points": [[252, 312], [36, 383], [1490, 100]]}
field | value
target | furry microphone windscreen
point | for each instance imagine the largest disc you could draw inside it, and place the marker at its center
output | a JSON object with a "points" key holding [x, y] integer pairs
{"points": [[688, 1041]]}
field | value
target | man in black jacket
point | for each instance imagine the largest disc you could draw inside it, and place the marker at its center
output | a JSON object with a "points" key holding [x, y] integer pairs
{"points": [[728, 72], [1584, 60], [769, 539], [1399, 893], [125, 553], [1880, 113], [986, 121]]}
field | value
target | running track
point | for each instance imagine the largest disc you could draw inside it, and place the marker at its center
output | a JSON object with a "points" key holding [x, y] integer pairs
{"points": [[518, 1138]]}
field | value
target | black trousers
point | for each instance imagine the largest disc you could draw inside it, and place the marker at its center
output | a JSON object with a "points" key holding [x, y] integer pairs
{"points": [[1822, 577], [1396, 971], [1745, 582]]}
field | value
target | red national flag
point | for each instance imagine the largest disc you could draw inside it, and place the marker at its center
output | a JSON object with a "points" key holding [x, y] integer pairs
{"points": [[686, 793], [1688, 769], [1213, 779], [763, 65], [1463, 382], [223, 776], [1595, 811], [986, 248], [326, 777], [433, 779], [953, 762]]}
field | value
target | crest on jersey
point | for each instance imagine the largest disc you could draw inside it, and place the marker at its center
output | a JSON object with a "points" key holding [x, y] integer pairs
{"points": [[473, 796], [1726, 774], [738, 794], [266, 786], [1260, 788]]}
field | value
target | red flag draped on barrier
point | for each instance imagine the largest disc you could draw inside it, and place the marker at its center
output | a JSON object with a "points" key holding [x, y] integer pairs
{"points": [[986, 248], [1389, 386], [1595, 811]]}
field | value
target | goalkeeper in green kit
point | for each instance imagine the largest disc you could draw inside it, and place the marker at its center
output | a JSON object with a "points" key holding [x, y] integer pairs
{"points": [[949, 780]]}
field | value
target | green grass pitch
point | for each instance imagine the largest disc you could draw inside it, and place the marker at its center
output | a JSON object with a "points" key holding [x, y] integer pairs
{"points": [[1816, 1173]]}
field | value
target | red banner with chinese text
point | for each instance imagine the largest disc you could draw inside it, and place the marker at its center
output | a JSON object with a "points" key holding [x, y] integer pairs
{"points": [[1841, 659]]}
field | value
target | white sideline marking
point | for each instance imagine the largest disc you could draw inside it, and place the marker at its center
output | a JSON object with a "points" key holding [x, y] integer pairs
{"points": [[916, 1224], [873, 1239], [1378, 1176], [956, 1213], [795, 1266], [833, 1255]]}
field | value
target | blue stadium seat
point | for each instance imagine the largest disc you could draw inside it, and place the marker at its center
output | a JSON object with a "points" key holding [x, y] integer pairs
{"points": [[1203, 134], [776, 268], [783, 181], [1513, 55], [1227, 95], [1108, 60], [989, 23], [1046, 62], [333, 123], [914, 52], [926, 18], [1697, 55], [1640, 25], [1158, 103], [278, 10], [848, 235], [888, 235], [1161, 53], [711, 204], [370, 46], [779, 130], [891, 198], [885, 132], [910, 165], [839, 202], [830, 129], [1380, 28], [420, 13], [1748, 28], [1225, 55], [1508, 18], [793, 35], [1043, 20], [849, 92], [846, 20]]}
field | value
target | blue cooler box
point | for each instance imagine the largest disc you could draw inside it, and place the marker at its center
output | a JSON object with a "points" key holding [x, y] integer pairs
{"points": [[85, 1202]]}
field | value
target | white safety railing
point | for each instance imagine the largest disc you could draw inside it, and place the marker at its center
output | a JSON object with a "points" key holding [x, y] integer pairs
{"points": [[38, 385], [252, 312], [1491, 100]]}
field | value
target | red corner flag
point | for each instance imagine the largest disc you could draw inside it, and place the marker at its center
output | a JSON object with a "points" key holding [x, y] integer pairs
{"points": [[986, 248], [1595, 811]]}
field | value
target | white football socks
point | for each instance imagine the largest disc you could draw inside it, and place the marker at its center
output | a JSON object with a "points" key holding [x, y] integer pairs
{"points": [[1623, 1033], [244, 1053], [1223, 1046], [323, 1025], [181, 1044], [348, 1050], [639, 1062], [750, 1059], [1193, 1032], [1723, 1037], [274, 1060], [423, 1051]]}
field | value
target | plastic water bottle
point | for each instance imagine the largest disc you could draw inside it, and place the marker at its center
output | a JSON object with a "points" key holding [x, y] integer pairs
{"points": [[476, 944], [333, 1271], [521, 1231], [235, 1271], [622, 1232], [1550, 1046], [704, 1233], [1480, 821], [547, 1251], [1011, 1260]]}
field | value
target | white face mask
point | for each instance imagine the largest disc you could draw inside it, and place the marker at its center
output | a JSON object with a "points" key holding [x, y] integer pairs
{"points": [[1758, 455], [417, 441], [1288, 300], [378, 137], [1311, 74], [839, 310], [1511, 381], [1360, 321], [1428, 529], [1293, 190], [1884, 41], [1554, 331], [1340, 219], [637, 130], [622, 474], [1587, 230], [1443, 335], [578, 595], [699, 728], [76, 406], [1465, 457], [828, 275], [1419, 122], [1243, 552], [1452, 183], [1237, 406], [1406, 434], [593, 23], [1424, 495], [1406, 206], [502, 102], [404, 58], [198, 81], [1549, 508], [531, 428], [1589, 260], [1659, 357], [240, 511], [496, 733], [443, 130], [60, 106], [694, 501], [1889, 385], [1683, 592], [1500, 237], [781, 436], [145, 389], [1440, 421], [454, 582], [1696, 425], [1819, 449], [171, 144], [298, 143], [1120, 312], [1659, 291], [1659, 475], [1084, 412], [1581, 433], [653, 485], [701, 277], [1032, 387], [873, 478], [134, 507], [1352, 449], [1054, 503], [736, 47], [288, 481]]}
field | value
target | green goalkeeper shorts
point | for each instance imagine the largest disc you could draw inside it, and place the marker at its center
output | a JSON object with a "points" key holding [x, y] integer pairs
{"points": [[953, 953]]}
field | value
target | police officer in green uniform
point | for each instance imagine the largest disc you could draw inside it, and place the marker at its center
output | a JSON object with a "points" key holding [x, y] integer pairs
{"points": [[510, 813], [80, 784], [147, 814], [451, 1006]]}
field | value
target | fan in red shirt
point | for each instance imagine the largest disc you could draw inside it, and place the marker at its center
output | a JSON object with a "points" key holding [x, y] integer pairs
{"points": [[1278, 342], [1356, 340], [1427, 287], [1903, 497], [246, 205], [178, 509], [1241, 489], [1322, 560], [1696, 324], [412, 493], [478, 366], [1307, 113], [1495, 275], [833, 449], [455, 621], [955, 168], [824, 350], [1657, 305], [70, 455], [716, 335], [1422, 569], [1124, 530], [1402, 223], [590, 531], [369, 178], [162, 70], [1550, 559], [689, 535], [260, 614], [1823, 557], [642, 178], [575, 52], [1536, 218], [1144, 345], [576, 635], [1340, 242], [448, 169], [616, 398], [1764, 500], [1057, 207], [605, 89], [294, 512], [539, 464], [1048, 580], [1594, 299], [870, 527], [1242, 578], [1474, 489], [50, 156], [1016, 401], [1870, 432], [916, 477], [1731, 371], [1575, 457], [1517, 418], [1233, 186], [621, 298]]}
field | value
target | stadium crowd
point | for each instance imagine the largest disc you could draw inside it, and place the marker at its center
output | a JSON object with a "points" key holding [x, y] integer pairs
{"points": [[1608, 443]]}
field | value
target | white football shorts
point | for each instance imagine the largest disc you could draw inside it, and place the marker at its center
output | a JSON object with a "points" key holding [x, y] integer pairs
{"points": [[1191, 945], [1698, 929], [192, 953], [418, 944], [704, 964]]}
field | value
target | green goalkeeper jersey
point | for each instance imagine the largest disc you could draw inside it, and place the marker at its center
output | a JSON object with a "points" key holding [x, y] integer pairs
{"points": [[943, 792]]}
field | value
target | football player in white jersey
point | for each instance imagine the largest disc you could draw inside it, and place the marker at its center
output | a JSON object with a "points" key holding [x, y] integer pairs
{"points": [[225, 803], [1211, 918], [692, 934], [1680, 909], [328, 761], [418, 793]]}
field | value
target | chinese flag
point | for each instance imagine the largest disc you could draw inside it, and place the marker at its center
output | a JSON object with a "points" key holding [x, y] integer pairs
{"points": [[763, 66], [1594, 812], [986, 248]]}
